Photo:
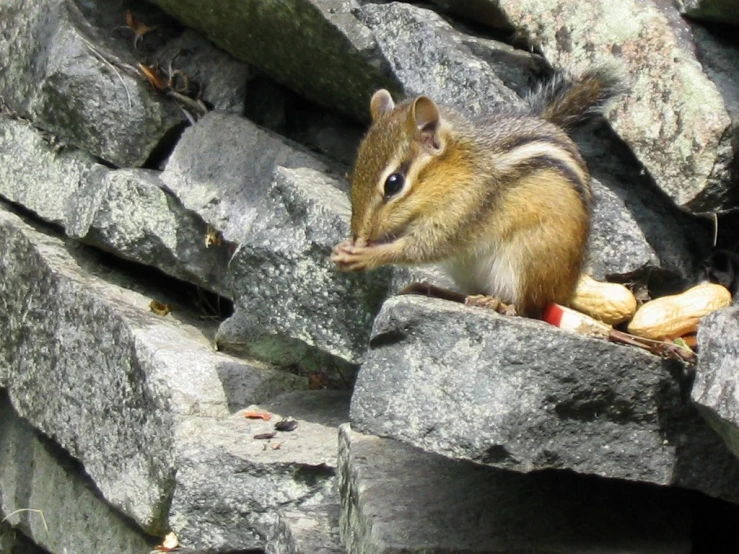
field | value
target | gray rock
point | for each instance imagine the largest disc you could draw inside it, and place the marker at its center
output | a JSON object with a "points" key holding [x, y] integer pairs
{"points": [[129, 212], [54, 71], [519, 394], [714, 390], [396, 498], [285, 112], [283, 282], [616, 244], [634, 223], [73, 71], [719, 55], [230, 485], [673, 116], [12, 541], [223, 167], [221, 78], [275, 206], [481, 11], [284, 212], [38, 177], [316, 47], [719, 11], [428, 56], [309, 530], [65, 513], [88, 364]]}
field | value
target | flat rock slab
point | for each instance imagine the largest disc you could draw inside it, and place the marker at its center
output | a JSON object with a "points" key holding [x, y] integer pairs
{"points": [[66, 513], [86, 362], [268, 34], [716, 388], [520, 394], [37, 176], [308, 530], [232, 484], [127, 211], [396, 498]]}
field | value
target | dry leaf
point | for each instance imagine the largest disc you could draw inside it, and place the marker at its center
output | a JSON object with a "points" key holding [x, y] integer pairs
{"points": [[153, 76], [159, 308], [212, 237], [139, 28], [169, 543], [252, 414], [263, 436]]}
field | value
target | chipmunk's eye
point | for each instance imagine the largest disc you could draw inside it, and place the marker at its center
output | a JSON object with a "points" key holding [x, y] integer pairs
{"points": [[393, 184]]}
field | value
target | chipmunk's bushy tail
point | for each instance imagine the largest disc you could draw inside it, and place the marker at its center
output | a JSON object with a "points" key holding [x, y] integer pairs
{"points": [[572, 100]]}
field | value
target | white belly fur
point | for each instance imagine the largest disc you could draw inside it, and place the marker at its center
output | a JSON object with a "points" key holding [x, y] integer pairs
{"points": [[493, 270]]}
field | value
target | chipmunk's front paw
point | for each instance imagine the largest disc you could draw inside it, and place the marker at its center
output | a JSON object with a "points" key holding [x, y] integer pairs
{"points": [[350, 257]]}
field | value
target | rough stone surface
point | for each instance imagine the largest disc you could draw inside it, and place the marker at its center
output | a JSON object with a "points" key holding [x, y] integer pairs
{"points": [[222, 169], [129, 212], [132, 423], [221, 78], [718, 11], [230, 486], [634, 224], [266, 33], [481, 11], [12, 541], [716, 391], [310, 530], [429, 56], [277, 208], [396, 498], [519, 394], [719, 55], [87, 363], [279, 109], [673, 116], [70, 86], [36, 176], [616, 243], [284, 212], [73, 518], [73, 71]]}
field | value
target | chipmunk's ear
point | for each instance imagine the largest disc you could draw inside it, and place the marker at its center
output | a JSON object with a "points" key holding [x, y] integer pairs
{"points": [[426, 118], [381, 104]]}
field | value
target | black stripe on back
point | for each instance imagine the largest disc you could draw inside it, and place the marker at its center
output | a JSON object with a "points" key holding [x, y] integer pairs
{"points": [[546, 162]]}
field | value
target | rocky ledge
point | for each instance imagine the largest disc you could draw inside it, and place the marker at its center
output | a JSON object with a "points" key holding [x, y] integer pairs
{"points": [[179, 354]]}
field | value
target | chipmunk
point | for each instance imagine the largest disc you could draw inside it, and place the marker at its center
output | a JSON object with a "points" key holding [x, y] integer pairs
{"points": [[501, 203]]}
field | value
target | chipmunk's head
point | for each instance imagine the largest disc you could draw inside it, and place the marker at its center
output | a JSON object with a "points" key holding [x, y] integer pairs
{"points": [[393, 182]]}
